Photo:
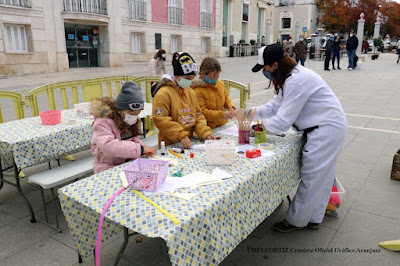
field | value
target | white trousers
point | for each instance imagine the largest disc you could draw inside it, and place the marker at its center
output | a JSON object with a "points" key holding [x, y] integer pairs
{"points": [[318, 170]]}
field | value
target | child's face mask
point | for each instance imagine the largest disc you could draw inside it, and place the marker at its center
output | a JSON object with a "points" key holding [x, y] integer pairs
{"points": [[184, 83], [210, 81], [130, 119]]}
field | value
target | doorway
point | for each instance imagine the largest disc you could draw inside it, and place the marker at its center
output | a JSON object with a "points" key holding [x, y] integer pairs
{"points": [[82, 42]]}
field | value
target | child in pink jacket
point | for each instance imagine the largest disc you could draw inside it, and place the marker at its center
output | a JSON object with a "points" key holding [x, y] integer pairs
{"points": [[116, 128]]}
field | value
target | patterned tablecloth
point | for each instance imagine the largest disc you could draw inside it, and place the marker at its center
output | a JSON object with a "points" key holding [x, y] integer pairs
{"points": [[29, 142], [212, 223]]}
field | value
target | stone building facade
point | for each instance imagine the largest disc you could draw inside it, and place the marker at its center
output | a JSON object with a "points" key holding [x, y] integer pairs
{"points": [[39, 36]]}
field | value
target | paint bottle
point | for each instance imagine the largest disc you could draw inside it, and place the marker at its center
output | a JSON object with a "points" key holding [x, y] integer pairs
{"points": [[162, 151]]}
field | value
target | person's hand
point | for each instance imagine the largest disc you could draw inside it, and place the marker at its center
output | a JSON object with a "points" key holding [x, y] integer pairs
{"points": [[211, 136], [148, 151], [186, 143], [229, 114]]}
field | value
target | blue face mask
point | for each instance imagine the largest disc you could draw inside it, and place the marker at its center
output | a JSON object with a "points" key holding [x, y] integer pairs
{"points": [[210, 81], [268, 75], [184, 83], [331, 39]]}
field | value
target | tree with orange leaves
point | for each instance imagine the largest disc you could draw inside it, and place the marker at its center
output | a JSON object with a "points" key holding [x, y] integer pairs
{"points": [[337, 15], [391, 22]]}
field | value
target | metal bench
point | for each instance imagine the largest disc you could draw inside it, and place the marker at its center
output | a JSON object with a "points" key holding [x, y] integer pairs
{"points": [[54, 177]]}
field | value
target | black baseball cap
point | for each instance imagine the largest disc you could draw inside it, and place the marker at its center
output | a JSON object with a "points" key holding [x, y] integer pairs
{"points": [[267, 55]]}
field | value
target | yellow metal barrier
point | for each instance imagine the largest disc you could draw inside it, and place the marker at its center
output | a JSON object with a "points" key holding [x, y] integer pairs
{"points": [[244, 91], [96, 88], [18, 104], [145, 82], [89, 88]]}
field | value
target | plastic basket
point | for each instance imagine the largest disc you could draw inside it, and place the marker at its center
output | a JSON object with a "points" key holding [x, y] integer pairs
{"points": [[146, 175], [82, 109], [50, 117], [220, 152], [335, 200]]}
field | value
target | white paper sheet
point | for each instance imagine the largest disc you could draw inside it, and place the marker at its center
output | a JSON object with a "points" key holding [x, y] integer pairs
{"points": [[172, 161], [192, 181], [184, 196], [200, 147], [231, 131], [221, 173], [172, 183], [244, 148]]}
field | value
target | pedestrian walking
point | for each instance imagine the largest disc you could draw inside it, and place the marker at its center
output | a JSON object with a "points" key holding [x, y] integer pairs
{"points": [[398, 51], [351, 47], [304, 100], [289, 46], [336, 51], [328, 52], [157, 64], [300, 49]]}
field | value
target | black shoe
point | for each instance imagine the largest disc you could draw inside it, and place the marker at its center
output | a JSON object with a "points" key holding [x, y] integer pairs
{"points": [[327, 69], [333, 68], [285, 227], [313, 226], [339, 68]]}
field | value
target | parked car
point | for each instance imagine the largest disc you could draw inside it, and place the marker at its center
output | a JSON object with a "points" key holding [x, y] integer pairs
{"points": [[387, 46], [371, 45], [394, 45]]}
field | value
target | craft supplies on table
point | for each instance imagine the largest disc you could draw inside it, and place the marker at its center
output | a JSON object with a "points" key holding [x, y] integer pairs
{"points": [[242, 150], [253, 153], [265, 146], [220, 152], [82, 109], [146, 175], [50, 117], [243, 121], [174, 153]]}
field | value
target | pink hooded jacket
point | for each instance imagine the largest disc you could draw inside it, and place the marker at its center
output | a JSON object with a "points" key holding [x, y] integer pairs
{"points": [[107, 147]]}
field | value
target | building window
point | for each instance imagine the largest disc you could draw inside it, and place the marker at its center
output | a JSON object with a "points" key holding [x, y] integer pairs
{"points": [[137, 10], [158, 41], [205, 45], [175, 12], [138, 45], [246, 12], [286, 23], [206, 15], [16, 40], [176, 43], [21, 3]]}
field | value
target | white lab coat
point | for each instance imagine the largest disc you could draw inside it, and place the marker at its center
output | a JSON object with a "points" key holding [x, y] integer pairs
{"points": [[307, 101]]}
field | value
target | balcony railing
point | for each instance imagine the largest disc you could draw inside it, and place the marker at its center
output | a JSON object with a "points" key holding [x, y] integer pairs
{"points": [[86, 6], [176, 15], [137, 10], [206, 20], [21, 3]]}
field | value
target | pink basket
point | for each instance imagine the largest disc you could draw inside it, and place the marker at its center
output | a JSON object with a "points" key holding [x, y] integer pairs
{"points": [[51, 117], [146, 175]]}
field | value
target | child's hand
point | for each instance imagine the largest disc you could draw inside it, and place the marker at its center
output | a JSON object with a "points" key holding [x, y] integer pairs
{"points": [[229, 114], [186, 143], [211, 137], [148, 151]]}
